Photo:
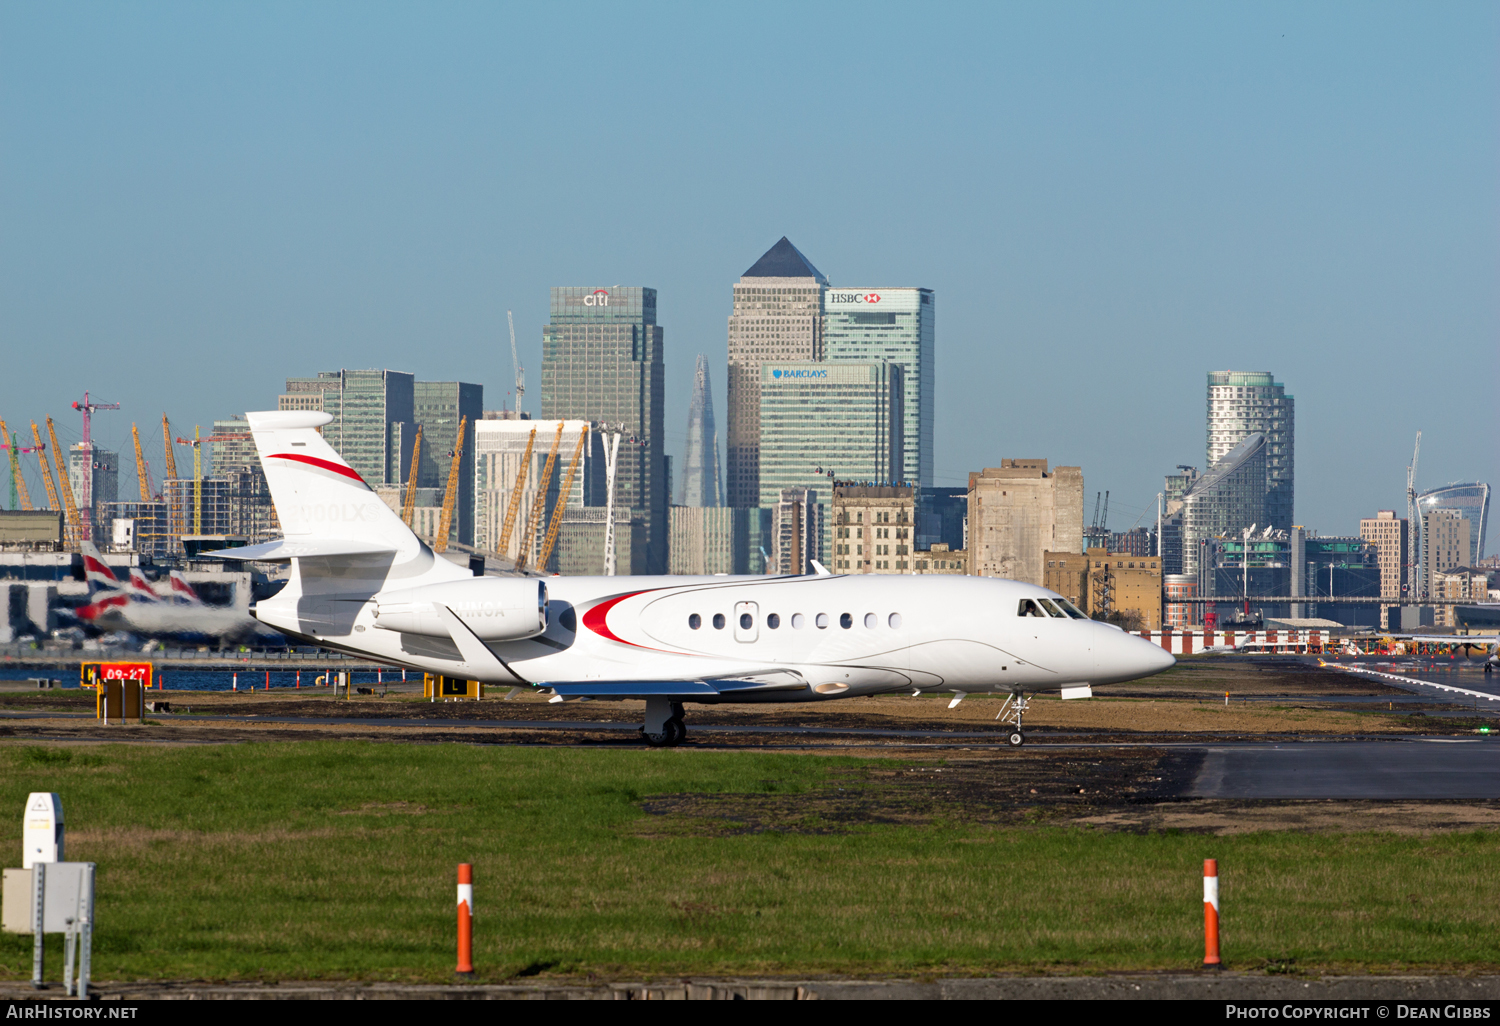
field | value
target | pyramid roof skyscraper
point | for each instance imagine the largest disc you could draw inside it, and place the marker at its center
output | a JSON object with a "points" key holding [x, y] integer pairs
{"points": [[785, 260]]}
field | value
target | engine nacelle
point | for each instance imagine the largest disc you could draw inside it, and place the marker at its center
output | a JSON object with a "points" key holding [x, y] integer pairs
{"points": [[494, 608]]}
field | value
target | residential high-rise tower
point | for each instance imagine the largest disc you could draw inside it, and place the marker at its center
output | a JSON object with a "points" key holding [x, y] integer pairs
{"points": [[1244, 403]]}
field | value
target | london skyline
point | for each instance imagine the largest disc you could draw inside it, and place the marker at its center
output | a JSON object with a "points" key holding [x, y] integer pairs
{"points": [[203, 202]]}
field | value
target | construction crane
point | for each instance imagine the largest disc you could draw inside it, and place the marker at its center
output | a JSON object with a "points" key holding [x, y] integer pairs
{"points": [[450, 497], [74, 530], [409, 506], [1413, 527], [41, 457], [540, 503], [562, 502], [166, 442], [86, 479], [515, 359], [197, 443], [515, 497], [142, 471], [19, 499]]}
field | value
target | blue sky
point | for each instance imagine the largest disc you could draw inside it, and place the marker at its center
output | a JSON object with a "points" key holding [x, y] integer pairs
{"points": [[199, 200]]}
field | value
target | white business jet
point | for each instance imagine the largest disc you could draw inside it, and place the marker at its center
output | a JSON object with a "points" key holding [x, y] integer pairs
{"points": [[362, 583]]}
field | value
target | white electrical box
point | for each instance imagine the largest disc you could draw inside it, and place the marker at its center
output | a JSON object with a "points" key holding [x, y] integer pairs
{"points": [[42, 830]]}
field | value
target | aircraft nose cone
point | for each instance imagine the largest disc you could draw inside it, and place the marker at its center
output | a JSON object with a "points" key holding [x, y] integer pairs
{"points": [[1157, 659]]}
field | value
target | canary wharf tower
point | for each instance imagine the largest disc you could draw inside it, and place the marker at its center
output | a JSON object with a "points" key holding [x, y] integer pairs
{"points": [[778, 317]]}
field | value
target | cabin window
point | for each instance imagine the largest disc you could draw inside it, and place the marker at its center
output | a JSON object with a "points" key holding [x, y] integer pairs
{"points": [[1029, 608], [872, 621], [822, 621], [773, 620], [798, 621], [718, 621], [894, 620], [695, 621], [746, 621], [846, 621]]}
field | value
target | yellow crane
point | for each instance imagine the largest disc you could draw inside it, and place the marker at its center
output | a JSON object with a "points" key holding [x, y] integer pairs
{"points": [[445, 522], [562, 502], [142, 474], [19, 499], [166, 443], [515, 497], [540, 503], [41, 457], [75, 526], [409, 507]]}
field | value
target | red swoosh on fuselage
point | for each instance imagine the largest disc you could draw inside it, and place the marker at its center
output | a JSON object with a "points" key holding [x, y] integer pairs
{"points": [[313, 461], [596, 619]]}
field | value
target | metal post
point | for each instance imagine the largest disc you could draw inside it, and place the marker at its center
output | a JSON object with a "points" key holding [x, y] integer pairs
{"points": [[70, 939], [86, 933], [38, 897]]}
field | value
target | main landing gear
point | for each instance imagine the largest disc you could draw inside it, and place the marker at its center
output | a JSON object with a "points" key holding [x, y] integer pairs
{"points": [[1011, 712], [664, 727]]}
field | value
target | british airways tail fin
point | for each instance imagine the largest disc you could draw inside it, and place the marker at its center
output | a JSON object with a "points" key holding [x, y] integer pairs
{"points": [[95, 570], [182, 590]]}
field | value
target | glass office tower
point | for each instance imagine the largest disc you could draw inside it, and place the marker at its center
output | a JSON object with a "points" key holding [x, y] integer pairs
{"points": [[373, 424], [828, 421], [894, 325], [1470, 501], [602, 362]]}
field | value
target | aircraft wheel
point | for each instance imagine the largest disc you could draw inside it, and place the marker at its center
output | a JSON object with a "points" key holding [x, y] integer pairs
{"points": [[1016, 739], [666, 739], [680, 729]]}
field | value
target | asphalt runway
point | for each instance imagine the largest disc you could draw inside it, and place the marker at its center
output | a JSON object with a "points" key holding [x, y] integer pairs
{"points": [[1427, 769]]}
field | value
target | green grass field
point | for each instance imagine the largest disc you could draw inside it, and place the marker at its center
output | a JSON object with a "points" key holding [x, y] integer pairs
{"points": [[337, 860]]}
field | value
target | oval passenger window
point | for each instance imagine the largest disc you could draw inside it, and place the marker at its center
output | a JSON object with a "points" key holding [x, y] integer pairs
{"points": [[746, 621], [846, 621], [718, 621], [821, 620], [871, 620], [695, 621], [894, 620], [798, 621], [773, 620]]}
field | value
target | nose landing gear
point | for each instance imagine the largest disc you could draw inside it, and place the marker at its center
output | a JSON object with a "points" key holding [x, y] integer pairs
{"points": [[1011, 712], [664, 727]]}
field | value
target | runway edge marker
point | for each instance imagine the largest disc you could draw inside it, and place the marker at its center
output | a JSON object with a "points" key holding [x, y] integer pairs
{"points": [[1211, 914]]}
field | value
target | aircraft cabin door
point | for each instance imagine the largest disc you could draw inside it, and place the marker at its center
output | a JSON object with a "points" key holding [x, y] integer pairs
{"points": [[746, 621]]}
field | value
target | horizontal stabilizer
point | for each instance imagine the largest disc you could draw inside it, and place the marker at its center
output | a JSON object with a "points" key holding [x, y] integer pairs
{"points": [[311, 548]]}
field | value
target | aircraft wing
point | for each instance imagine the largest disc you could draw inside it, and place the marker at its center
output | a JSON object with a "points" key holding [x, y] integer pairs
{"points": [[671, 688], [1445, 639]]}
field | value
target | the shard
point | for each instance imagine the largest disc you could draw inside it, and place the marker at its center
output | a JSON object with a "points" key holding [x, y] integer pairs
{"points": [[701, 480]]}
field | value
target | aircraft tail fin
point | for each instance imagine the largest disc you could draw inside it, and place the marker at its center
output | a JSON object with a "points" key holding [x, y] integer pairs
{"points": [[318, 496], [182, 590]]}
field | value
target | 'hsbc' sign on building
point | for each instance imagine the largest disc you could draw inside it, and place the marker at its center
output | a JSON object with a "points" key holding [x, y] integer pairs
{"points": [[847, 297]]}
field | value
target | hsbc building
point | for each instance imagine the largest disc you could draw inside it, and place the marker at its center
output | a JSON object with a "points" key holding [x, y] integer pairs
{"points": [[894, 325]]}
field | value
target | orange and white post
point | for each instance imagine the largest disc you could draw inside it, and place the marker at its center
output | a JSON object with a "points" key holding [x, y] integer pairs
{"points": [[1211, 913], [465, 919]]}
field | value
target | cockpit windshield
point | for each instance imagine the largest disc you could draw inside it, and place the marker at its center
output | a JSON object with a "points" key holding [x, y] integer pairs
{"points": [[1052, 610], [1030, 608], [1070, 609]]}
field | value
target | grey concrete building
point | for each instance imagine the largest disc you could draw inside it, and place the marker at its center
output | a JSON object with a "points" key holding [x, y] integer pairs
{"points": [[1018, 511]]}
